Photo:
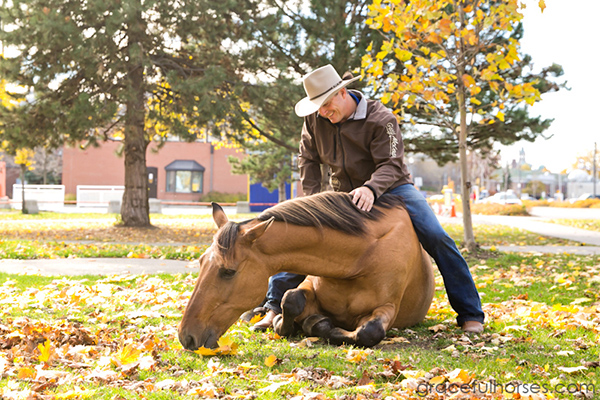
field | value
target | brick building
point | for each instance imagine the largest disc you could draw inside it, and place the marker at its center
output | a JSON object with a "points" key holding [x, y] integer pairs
{"points": [[178, 171]]}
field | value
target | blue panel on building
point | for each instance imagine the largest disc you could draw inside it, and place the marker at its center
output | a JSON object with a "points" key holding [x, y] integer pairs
{"points": [[261, 198]]}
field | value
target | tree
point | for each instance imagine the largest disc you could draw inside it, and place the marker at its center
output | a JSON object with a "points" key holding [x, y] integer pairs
{"points": [[455, 67], [589, 161], [92, 69], [277, 42], [269, 164]]}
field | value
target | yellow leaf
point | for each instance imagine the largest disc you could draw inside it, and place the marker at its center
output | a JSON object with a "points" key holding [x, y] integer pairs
{"points": [[46, 351], [255, 319], [247, 366], [127, 355], [357, 356], [460, 376], [203, 351], [271, 360], [437, 380], [500, 116], [26, 373], [468, 80], [542, 5], [403, 55], [226, 346]]}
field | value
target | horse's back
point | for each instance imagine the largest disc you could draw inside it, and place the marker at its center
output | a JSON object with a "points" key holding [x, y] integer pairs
{"points": [[393, 270], [417, 282]]}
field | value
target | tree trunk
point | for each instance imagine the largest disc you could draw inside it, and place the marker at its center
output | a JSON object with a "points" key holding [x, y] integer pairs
{"points": [[135, 210], [281, 190], [465, 182]]}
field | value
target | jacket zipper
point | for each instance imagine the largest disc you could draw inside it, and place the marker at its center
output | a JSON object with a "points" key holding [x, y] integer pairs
{"points": [[339, 135]]}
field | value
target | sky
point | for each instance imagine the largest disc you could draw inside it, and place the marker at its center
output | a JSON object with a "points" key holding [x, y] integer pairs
{"points": [[566, 33]]}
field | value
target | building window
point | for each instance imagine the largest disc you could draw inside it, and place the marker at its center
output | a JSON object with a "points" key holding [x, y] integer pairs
{"points": [[185, 176]]}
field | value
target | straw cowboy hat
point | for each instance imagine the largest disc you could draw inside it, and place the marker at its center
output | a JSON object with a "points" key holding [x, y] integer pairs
{"points": [[320, 85]]}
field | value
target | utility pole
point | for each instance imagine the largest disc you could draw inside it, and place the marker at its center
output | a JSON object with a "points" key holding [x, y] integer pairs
{"points": [[594, 169]]}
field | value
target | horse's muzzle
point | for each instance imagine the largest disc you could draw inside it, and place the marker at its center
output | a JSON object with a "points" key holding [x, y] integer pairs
{"points": [[192, 341]]}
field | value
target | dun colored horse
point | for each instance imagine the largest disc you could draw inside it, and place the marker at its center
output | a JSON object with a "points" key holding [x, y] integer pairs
{"points": [[367, 272]]}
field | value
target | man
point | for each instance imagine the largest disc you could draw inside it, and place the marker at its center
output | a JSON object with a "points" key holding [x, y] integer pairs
{"points": [[361, 142]]}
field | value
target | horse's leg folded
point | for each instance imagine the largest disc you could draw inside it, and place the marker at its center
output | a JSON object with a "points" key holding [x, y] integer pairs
{"points": [[368, 334], [292, 305]]}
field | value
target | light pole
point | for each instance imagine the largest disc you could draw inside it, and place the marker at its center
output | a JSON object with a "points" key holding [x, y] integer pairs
{"points": [[594, 169]]}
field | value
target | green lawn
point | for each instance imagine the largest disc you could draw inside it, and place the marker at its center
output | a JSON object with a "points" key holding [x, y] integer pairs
{"points": [[115, 337]]}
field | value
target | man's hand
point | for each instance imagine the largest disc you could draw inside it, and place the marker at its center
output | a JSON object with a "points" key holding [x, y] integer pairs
{"points": [[363, 198]]}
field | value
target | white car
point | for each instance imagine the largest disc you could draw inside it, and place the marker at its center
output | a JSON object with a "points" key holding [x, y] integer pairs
{"points": [[503, 198]]}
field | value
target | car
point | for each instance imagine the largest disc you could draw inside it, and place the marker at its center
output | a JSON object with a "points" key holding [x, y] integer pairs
{"points": [[503, 198], [587, 196]]}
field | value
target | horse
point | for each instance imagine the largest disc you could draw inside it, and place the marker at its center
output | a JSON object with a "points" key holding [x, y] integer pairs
{"points": [[366, 271]]}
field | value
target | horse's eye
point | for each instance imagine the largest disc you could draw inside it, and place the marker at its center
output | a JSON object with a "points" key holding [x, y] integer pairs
{"points": [[226, 273]]}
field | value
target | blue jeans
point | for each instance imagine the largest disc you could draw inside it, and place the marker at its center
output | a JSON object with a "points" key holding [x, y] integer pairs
{"points": [[458, 281]]}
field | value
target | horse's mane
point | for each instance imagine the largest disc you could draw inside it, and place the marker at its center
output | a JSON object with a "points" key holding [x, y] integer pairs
{"points": [[333, 210]]}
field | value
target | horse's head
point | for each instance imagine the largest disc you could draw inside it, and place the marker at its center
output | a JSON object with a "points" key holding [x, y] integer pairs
{"points": [[232, 279]]}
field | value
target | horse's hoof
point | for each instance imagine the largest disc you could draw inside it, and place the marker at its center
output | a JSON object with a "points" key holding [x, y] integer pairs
{"points": [[318, 325]]}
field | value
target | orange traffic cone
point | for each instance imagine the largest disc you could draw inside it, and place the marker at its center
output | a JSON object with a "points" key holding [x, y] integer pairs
{"points": [[453, 211]]}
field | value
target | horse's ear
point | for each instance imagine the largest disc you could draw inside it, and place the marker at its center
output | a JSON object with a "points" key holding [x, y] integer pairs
{"points": [[257, 231], [219, 215]]}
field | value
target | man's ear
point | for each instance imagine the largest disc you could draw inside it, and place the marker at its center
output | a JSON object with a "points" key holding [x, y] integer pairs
{"points": [[219, 215], [253, 233]]}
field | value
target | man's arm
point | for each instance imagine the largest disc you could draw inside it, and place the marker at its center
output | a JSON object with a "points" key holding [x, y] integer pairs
{"points": [[309, 163], [387, 150]]}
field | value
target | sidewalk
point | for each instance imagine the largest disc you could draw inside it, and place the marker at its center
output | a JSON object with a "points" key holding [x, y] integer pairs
{"points": [[590, 240], [96, 266]]}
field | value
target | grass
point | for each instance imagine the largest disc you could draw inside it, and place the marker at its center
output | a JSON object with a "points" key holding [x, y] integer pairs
{"points": [[542, 321], [115, 337], [54, 235], [587, 224]]}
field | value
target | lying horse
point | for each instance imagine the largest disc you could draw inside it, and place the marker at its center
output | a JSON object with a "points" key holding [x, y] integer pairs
{"points": [[366, 271]]}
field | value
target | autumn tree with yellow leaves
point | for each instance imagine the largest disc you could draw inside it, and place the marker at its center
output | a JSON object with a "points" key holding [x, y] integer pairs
{"points": [[455, 67]]}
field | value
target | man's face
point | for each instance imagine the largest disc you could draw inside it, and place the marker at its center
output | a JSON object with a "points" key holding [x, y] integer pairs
{"points": [[333, 109]]}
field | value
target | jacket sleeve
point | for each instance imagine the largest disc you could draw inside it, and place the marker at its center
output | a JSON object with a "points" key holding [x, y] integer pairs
{"points": [[309, 163], [387, 150]]}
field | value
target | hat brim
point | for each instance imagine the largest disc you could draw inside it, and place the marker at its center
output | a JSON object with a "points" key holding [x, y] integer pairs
{"points": [[308, 106]]}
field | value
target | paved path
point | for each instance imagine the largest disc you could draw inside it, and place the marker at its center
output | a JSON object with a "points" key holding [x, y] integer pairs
{"points": [[590, 240], [96, 266]]}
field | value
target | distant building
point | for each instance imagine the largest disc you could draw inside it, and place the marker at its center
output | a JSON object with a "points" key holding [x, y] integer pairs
{"points": [[178, 171]]}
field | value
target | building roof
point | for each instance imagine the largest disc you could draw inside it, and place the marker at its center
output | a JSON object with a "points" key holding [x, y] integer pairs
{"points": [[184, 165]]}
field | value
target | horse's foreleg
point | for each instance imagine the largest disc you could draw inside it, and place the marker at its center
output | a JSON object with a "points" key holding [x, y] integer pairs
{"points": [[370, 331], [292, 305]]}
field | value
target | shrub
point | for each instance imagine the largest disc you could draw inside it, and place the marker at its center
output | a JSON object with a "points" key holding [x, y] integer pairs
{"points": [[219, 197], [499, 209]]}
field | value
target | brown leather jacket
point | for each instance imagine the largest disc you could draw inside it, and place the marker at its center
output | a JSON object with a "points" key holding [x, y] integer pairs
{"points": [[365, 150]]}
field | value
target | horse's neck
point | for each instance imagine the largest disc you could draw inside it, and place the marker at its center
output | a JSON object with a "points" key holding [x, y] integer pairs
{"points": [[309, 251]]}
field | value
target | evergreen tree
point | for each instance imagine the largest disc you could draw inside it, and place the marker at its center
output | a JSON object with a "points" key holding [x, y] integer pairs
{"points": [[95, 69]]}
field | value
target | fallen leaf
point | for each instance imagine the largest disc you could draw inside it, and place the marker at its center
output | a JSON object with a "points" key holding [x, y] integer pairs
{"points": [[271, 360]]}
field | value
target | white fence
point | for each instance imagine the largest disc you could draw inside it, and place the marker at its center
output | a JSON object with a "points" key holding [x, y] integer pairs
{"points": [[98, 196], [48, 197]]}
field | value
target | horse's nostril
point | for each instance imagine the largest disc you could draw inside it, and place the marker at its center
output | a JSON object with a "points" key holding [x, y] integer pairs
{"points": [[189, 343]]}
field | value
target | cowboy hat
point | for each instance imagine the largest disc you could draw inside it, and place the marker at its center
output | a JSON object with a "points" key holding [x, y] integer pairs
{"points": [[320, 85]]}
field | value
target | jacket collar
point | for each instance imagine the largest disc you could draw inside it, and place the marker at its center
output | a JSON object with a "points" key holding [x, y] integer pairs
{"points": [[361, 107]]}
